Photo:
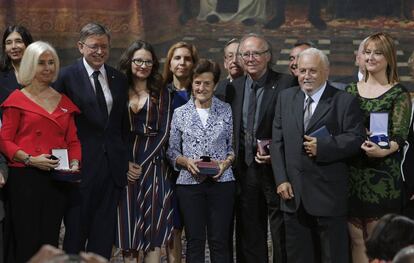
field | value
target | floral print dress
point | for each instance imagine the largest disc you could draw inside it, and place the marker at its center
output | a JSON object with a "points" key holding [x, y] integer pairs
{"points": [[376, 183]]}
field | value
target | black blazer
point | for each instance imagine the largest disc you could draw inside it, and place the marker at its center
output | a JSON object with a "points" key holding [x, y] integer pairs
{"points": [[320, 183], [96, 137], [221, 90], [275, 82], [8, 83]]}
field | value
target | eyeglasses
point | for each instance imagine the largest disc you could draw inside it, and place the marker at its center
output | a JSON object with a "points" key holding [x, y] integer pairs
{"points": [[229, 56], [254, 54], [95, 48], [140, 62]]}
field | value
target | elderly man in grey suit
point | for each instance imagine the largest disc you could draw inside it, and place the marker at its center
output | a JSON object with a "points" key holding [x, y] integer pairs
{"points": [[315, 129]]}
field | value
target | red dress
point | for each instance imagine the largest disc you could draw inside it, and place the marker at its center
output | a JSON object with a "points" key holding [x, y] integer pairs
{"points": [[32, 193], [28, 127]]}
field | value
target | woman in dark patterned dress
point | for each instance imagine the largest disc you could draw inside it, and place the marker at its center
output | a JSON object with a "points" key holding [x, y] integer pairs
{"points": [[145, 212], [375, 181]]}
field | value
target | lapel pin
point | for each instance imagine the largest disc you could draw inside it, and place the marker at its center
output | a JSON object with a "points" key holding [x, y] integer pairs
{"points": [[273, 87], [63, 109]]}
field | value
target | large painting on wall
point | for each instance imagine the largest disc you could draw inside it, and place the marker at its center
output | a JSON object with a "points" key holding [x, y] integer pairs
{"points": [[334, 26]]}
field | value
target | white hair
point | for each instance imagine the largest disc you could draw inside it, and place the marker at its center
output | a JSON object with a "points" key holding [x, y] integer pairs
{"points": [[361, 46], [405, 255], [316, 52], [30, 60]]}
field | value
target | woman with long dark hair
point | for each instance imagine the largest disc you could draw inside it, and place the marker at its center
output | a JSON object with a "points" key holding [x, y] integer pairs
{"points": [[15, 40], [145, 212]]}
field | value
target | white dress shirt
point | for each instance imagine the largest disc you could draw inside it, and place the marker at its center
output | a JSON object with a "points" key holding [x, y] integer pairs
{"points": [[315, 97], [104, 83]]}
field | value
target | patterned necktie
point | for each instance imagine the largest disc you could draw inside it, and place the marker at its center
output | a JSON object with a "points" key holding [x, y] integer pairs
{"points": [[100, 97], [307, 114], [248, 149]]}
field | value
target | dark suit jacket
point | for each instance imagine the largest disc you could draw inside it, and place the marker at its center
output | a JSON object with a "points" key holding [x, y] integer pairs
{"points": [[222, 91], [275, 82], [5, 172], [320, 183], [8, 83], [96, 137], [407, 163]]}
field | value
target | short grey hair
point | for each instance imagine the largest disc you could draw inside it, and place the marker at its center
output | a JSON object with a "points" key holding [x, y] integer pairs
{"points": [[30, 61], [316, 52], [91, 29], [231, 41], [268, 46], [405, 255]]}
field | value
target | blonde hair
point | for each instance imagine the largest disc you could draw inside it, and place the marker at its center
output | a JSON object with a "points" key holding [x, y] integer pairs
{"points": [[167, 74], [385, 44], [30, 60]]}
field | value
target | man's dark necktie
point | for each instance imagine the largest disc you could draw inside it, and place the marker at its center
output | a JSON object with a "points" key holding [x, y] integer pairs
{"points": [[248, 154], [307, 114], [100, 95]]}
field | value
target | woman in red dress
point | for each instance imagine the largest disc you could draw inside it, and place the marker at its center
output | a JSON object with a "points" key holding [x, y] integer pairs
{"points": [[36, 120]]}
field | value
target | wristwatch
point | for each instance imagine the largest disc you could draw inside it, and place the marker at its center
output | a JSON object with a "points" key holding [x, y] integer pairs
{"points": [[26, 160]]}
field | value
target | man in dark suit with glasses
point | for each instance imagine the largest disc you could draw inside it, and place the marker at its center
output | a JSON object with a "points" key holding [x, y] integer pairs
{"points": [[100, 92], [253, 100]]}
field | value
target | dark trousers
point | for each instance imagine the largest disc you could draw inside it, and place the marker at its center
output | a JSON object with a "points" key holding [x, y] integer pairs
{"points": [[91, 219], [207, 206], [36, 208], [316, 239], [258, 203]]}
